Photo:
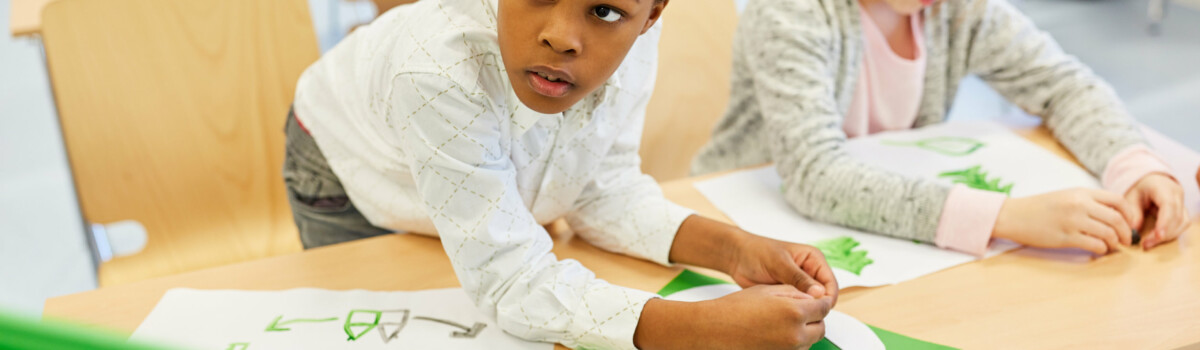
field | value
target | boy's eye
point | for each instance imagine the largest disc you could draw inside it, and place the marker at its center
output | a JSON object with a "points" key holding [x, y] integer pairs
{"points": [[606, 13]]}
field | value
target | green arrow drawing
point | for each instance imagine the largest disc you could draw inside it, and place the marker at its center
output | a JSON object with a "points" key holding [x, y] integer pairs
{"points": [[277, 326]]}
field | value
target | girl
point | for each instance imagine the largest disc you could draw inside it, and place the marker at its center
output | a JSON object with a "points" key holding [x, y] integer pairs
{"points": [[483, 120], [808, 74]]}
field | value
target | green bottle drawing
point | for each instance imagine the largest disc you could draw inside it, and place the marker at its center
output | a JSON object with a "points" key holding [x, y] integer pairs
{"points": [[840, 253], [975, 177], [947, 145], [351, 324]]}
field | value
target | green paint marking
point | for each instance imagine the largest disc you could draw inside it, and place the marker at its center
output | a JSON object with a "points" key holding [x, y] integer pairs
{"points": [[840, 253], [688, 279], [891, 340], [351, 324], [277, 326], [238, 346], [947, 145], [975, 177]]}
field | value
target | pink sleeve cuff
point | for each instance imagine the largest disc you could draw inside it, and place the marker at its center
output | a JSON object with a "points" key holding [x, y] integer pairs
{"points": [[968, 219], [1130, 165]]}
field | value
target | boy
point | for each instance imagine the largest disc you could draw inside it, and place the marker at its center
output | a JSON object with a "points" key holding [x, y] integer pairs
{"points": [[482, 120]]}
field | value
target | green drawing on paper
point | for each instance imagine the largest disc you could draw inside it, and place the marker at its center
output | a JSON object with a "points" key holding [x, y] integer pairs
{"points": [[975, 177], [947, 145], [277, 326], [351, 324], [840, 253], [238, 346]]}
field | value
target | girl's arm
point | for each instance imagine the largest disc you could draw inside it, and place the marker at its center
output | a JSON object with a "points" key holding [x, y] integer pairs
{"points": [[1027, 66], [787, 46]]}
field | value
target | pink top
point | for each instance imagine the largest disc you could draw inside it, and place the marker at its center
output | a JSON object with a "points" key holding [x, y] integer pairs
{"points": [[886, 97], [888, 91]]}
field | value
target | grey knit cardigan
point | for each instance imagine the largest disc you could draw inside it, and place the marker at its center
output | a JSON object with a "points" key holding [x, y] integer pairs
{"points": [[795, 67]]}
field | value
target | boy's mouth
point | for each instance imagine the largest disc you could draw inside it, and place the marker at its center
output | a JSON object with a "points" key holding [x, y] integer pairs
{"points": [[549, 82]]}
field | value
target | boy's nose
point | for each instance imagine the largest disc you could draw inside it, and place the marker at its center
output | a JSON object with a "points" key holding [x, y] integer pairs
{"points": [[561, 35]]}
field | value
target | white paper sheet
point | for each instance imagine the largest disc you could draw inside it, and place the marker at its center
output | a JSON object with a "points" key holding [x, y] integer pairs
{"points": [[843, 330], [754, 201], [323, 319]]}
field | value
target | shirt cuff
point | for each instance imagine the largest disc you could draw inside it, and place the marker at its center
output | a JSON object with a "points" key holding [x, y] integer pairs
{"points": [[1129, 166], [968, 219], [613, 318], [660, 244]]}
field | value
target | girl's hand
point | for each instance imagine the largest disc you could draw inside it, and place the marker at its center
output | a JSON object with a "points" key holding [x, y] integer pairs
{"points": [[759, 317], [1160, 194], [760, 260], [1089, 219]]}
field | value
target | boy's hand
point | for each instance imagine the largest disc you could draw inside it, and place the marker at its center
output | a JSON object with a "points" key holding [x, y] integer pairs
{"points": [[1162, 195], [1088, 219], [759, 317], [751, 259], [760, 260]]}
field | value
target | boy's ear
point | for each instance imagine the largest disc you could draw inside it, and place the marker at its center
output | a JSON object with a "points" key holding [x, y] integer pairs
{"points": [[655, 12]]}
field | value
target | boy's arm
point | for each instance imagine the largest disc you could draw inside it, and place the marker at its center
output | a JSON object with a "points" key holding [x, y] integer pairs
{"points": [[622, 209], [500, 254]]}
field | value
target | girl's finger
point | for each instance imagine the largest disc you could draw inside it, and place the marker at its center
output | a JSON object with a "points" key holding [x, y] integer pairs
{"points": [[1085, 242], [1111, 218], [1170, 215], [1129, 211], [1100, 231]]}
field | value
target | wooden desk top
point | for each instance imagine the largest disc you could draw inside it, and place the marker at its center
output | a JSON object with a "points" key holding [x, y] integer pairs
{"points": [[25, 17], [1025, 299]]}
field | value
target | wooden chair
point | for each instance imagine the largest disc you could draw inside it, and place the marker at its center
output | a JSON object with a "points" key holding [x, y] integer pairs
{"points": [[172, 112], [695, 58]]}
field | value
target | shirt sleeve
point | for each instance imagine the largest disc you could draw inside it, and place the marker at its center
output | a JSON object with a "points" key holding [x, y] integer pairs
{"points": [[467, 183], [1027, 67], [622, 209], [789, 50], [969, 219], [1129, 166]]}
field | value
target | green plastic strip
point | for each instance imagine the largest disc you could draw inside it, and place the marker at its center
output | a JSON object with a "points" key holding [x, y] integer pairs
{"points": [[22, 333], [689, 279]]}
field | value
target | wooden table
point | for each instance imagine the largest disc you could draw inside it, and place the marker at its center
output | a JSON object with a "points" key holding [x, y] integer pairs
{"points": [[25, 17], [1025, 299]]}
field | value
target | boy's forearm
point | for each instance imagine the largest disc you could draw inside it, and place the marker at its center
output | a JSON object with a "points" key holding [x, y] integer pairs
{"points": [[663, 325], [707, 243]]}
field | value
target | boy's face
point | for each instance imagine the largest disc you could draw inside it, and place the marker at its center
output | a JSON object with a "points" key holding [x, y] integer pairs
{"points": [[559, 51]]}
